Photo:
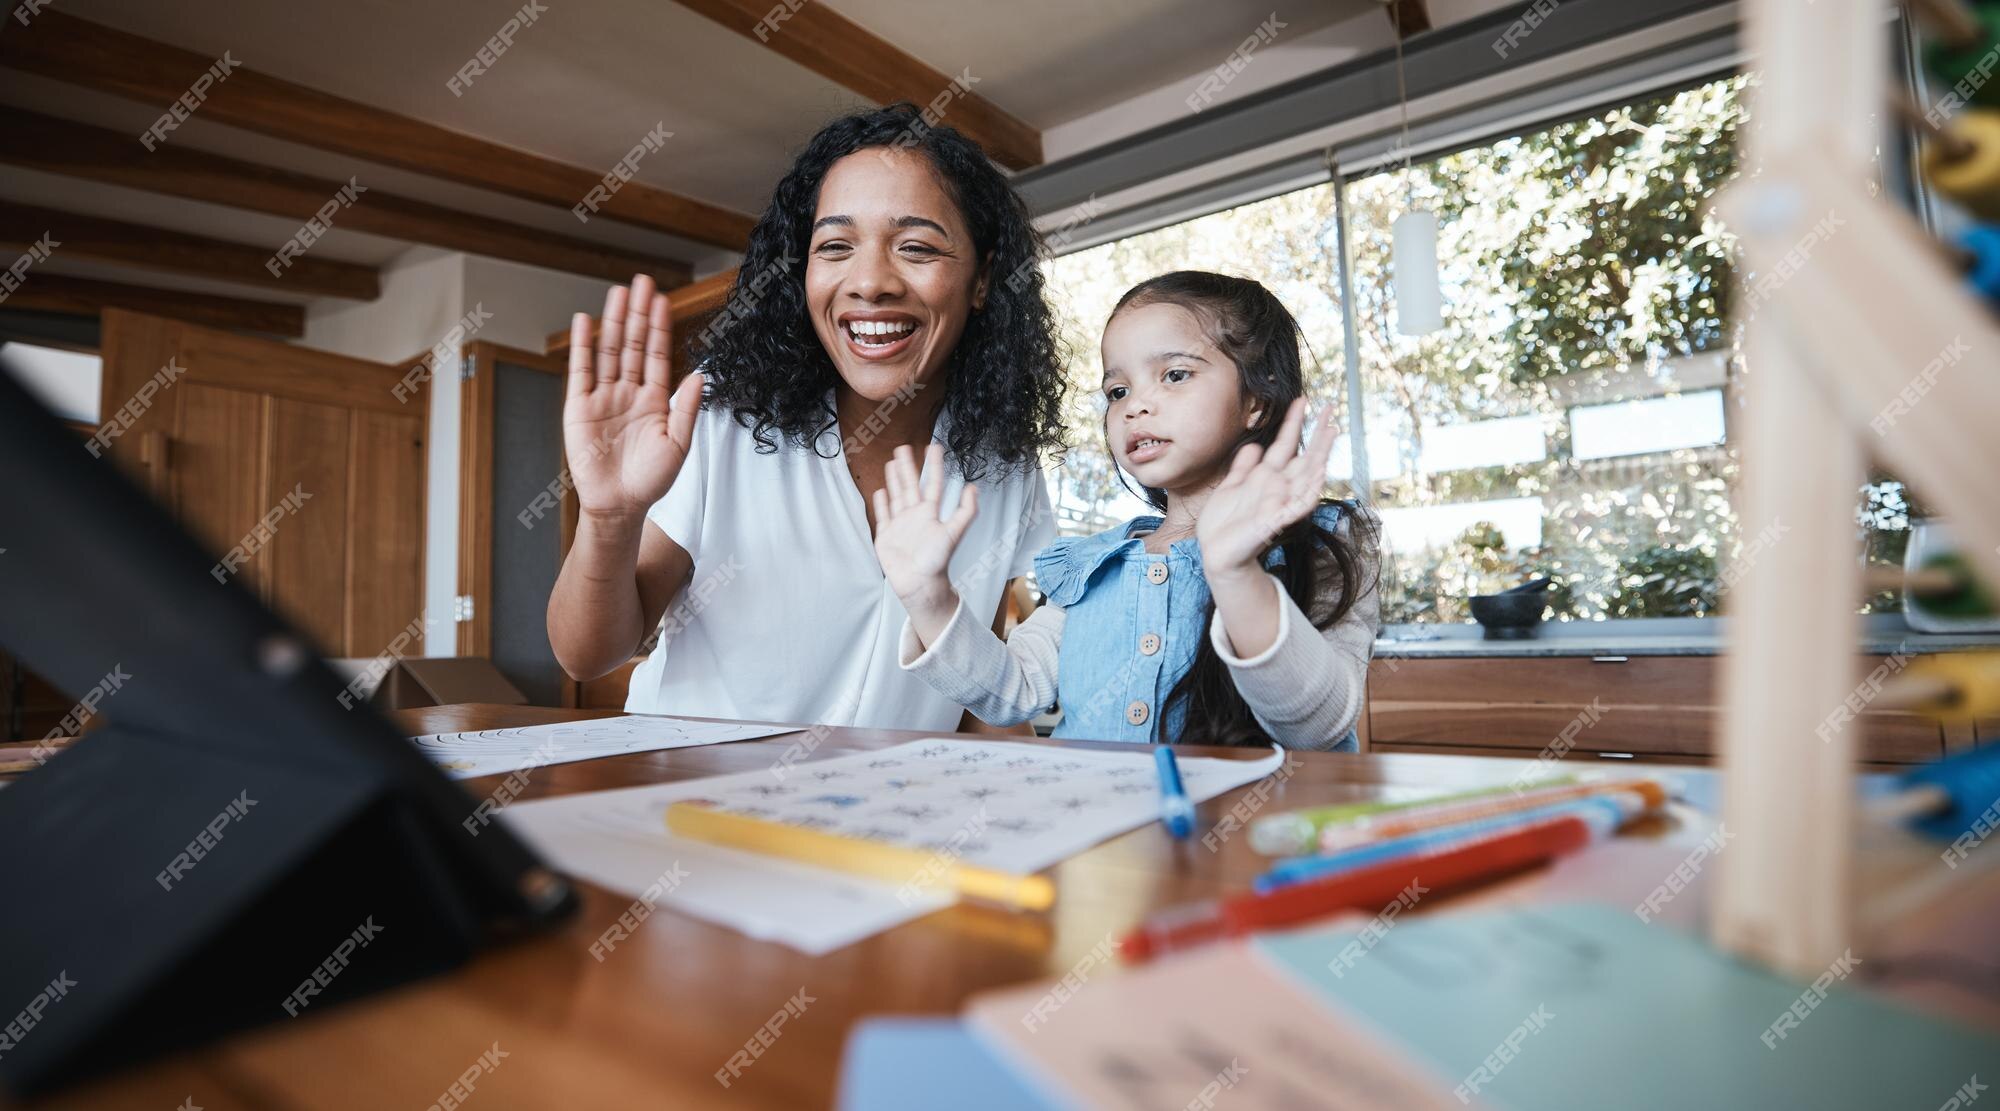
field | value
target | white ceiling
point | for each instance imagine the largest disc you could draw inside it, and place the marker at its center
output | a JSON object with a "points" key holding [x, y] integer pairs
{"points": [[1051, 61], [590, 77]]}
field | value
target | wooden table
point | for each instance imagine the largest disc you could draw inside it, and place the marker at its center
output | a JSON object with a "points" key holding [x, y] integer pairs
{"points": [[652, 1023]]}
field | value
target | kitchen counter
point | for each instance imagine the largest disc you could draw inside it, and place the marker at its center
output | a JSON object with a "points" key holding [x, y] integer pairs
{"points": [[1605, 639]]}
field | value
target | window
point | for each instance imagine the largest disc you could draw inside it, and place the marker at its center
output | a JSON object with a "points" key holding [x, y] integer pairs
{"points": [[1573, 416], [1570, 418], [1586, 298], [1288, 242]]}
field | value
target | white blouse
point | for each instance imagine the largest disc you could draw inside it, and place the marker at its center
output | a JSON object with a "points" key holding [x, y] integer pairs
{"points": [[788, 617]]}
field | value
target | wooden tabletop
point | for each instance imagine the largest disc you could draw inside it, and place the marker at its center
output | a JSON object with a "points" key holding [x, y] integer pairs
{"points": [[652, 1023]]}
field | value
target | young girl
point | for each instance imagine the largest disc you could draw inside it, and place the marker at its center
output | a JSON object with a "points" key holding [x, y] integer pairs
{"points": [[1246, 614]]}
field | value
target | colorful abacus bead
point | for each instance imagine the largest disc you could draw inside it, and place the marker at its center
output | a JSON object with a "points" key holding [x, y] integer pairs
{"points": [[1964, 165], [1981, 247]]}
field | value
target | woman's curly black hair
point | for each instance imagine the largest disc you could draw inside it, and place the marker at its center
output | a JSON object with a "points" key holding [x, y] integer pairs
{"points": [[1004, 381]]}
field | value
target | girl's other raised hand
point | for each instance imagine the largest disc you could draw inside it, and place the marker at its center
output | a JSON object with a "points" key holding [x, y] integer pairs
{"points": [[1265, 491]]}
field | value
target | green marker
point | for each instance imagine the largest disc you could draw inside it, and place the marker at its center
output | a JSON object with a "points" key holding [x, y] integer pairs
{"points": [[1297, 831]]}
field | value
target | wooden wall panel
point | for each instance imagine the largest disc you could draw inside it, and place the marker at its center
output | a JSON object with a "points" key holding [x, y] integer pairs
{"points": [[305, 566], [298, 372], [216, 462], [385, 527], [133, 349], [475, 502]]}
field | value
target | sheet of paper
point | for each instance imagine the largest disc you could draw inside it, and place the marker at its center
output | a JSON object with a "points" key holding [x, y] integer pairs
{"points": [[1583, 1006], [497, 751], [1633, 874], [1013, 807], [901, 1063], [1218, 1027]]}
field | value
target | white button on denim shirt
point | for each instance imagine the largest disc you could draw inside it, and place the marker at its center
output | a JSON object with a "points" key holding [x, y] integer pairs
{"points": [[1133, 622]]}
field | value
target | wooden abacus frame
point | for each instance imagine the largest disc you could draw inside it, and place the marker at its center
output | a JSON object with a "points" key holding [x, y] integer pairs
{"points": [[1859, 344]]}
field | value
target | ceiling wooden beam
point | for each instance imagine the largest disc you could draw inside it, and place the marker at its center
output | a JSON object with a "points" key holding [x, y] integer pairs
{"points": [[66, 48], [61, 293], [826, 42], [1409, 17], [58, 146], [95, 237], [691, 304]]}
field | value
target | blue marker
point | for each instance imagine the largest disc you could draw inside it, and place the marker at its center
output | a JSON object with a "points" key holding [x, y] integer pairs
{"points": [[1176, 812], [1603, 813]]}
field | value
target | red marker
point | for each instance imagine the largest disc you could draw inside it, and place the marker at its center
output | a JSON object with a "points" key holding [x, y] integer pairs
{"points": [[1369, 888]]}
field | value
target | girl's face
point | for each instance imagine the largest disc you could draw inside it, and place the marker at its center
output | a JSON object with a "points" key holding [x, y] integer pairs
{"points": [[891, 274], [1176, 404]]}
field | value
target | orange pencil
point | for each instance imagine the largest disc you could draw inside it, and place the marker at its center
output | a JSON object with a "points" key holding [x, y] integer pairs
{"points": [[1365, 889]]}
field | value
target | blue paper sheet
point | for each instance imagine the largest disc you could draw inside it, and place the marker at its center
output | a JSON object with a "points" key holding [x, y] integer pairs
{"points": [[1585, 1007], [921, 1064]]}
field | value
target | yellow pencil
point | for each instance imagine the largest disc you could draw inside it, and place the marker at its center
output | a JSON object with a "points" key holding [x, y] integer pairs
{"points": [[858, 856]]}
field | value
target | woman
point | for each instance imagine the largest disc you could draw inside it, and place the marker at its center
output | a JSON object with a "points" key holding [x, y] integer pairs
{"points": [[743, 517]]}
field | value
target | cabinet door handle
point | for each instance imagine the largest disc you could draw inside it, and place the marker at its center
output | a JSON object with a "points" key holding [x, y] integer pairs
{"points": [[1609, 659]]}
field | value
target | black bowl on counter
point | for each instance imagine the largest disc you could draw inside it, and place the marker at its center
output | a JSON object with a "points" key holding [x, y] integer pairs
{"points": [[1513, 615]]}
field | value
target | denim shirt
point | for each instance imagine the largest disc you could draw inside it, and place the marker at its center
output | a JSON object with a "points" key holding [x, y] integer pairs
{"points": [[1132, 623]]}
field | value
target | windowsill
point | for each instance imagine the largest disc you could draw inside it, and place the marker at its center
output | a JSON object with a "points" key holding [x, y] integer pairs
{"points": [[1655, 636]]}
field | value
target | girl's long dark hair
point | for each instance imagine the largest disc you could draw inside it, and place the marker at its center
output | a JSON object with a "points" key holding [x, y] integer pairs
{"points": [[1004, 384], [1248, 323]]}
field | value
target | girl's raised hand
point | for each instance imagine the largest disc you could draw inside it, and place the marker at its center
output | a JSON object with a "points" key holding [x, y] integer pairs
{"points": [[624, 436], [913, 545], [1264, 492]]}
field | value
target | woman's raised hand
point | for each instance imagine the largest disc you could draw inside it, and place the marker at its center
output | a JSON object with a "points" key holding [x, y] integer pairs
{"points": [[1264, 492], [624, 436], [913, 544]]}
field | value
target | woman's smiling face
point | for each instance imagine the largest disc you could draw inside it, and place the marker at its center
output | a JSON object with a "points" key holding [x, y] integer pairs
{"points": [[891, 271]]}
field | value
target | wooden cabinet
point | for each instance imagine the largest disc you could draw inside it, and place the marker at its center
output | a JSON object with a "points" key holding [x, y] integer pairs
{"points": [[1653, 708], [301, 470]]}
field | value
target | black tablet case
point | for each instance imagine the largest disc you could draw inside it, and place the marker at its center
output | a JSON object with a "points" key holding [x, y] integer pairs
{"points": [[346, 827]]}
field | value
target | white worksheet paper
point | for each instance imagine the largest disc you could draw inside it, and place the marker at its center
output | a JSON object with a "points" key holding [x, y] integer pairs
{"points": [[1012, 807], [497, 751]]}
